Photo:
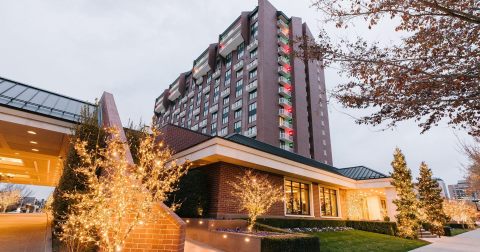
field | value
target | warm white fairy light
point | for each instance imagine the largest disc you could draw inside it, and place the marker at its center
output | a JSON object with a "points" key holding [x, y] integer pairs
{"points": [[124, 196], [255, 194], [9, 197]]}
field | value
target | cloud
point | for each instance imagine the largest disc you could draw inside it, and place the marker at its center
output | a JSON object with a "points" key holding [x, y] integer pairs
{"points": [[135, 49]]}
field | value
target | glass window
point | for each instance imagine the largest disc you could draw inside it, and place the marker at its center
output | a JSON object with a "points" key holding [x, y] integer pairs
{"points": [[252, 95], [226, 100], [240, 50], [228, 60], [252, 74], [253, 53], [228, 75], [239, 88], [224, 131], [214, 116], [237, 127], [239, 74], [297, 198], [254, 30], [238, 113], [328, 202]]}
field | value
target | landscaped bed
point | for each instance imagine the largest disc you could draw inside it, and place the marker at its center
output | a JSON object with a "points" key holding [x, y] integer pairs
{"points": [[356, 240], [457, 231]]}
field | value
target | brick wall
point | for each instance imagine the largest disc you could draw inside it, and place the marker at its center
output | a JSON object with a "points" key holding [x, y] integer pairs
{"points": [[221, 203], [179, 139], [166, 234]]}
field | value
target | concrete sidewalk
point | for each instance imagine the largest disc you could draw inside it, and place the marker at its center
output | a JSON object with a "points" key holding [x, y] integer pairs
{"points": [[469, 241], [25, 232]]}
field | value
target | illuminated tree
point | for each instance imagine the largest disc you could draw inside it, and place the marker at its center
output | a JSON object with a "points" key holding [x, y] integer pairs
{"points": [[430, 200], [9, 197], [255, 194], [461, 211], [119, 196], [473, 168], [355, 205], [406, 201]]}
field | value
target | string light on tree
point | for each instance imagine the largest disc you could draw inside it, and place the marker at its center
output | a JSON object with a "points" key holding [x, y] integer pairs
{"points": [[255, 194], [123, 196]]}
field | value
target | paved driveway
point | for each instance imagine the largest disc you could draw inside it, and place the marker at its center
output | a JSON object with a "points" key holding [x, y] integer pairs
{"points": [[469, 241], [24, 233]]}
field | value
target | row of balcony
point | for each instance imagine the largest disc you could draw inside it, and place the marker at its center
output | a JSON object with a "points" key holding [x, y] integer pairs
{"points": [[238, 65], [216, 74], [213, 108], [286, 137], [206, 89], [281, 23], [285, 125], [230, 41], [252, 65], [284, 92], [284, 71], [285, 102], [251, 86], [252, 45], [236, 105], [225, 92], [284, 50], [250, 132], [284, 81], [284, 113]]}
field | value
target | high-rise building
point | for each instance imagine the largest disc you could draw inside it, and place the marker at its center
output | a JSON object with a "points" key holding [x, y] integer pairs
{"points": [[250, 83], [461, 191], [443, 187]]}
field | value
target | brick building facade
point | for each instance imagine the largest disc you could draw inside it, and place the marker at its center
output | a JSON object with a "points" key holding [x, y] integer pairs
{"points": [[249, 83], [312, 189]]}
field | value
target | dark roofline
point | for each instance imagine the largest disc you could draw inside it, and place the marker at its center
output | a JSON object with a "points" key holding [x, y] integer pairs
{"points": [[387, 176], [284, 154], [40, 114], [46, 91]]}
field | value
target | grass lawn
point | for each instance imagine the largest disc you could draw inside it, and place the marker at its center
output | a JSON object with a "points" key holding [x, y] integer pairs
{"points": [[457, 231], [356, 240]]}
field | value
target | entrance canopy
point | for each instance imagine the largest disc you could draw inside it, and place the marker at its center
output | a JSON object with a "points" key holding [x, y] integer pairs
{"points": [[35, 125]]}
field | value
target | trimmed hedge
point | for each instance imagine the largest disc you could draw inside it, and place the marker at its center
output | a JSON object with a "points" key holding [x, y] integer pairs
{"points": [[294, 243], [458, 225], [381, 227], [294, 223]]}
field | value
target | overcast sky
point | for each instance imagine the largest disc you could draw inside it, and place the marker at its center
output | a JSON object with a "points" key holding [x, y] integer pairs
{"points": [[135, 49]]}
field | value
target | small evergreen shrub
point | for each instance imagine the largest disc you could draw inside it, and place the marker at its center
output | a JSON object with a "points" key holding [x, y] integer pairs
{"points": [[294, 243], [381, 227]]}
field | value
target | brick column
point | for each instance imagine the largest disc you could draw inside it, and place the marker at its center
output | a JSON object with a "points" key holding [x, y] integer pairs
{"points": [[168, 233]]}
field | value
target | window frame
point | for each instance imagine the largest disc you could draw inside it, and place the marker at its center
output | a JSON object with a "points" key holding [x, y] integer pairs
{"points": [[337, 193], [310, 198]]}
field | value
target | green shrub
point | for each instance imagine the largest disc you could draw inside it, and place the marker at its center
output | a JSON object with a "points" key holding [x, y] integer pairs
{"points": [[294, 223], [292, 243], [192, 194], [459, 225], [381, 227], [447, 230]]}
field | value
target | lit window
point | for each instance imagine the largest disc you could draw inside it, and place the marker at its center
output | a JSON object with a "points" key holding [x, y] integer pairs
{"points": [[297, 198], [328, 202]]}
